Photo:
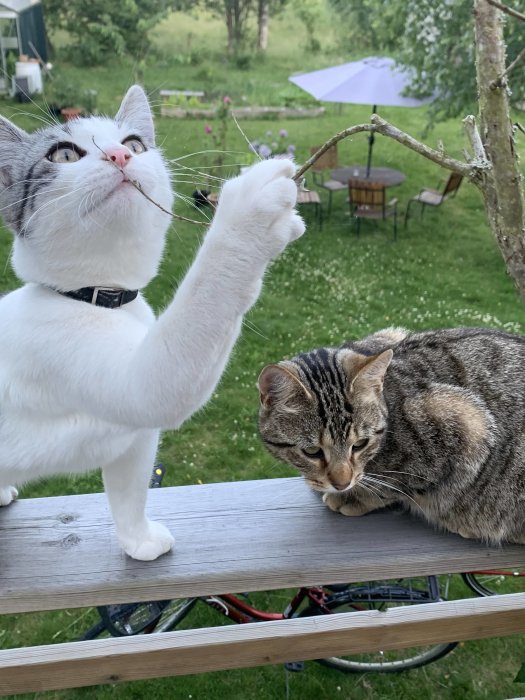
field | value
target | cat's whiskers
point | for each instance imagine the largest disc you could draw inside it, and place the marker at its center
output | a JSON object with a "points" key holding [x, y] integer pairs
{"points": [[205, 152], [252, 149], [373, 491], [386, 485], [253, 328], [87, 213], [414, 474], [189, 200], [49, 203], [31, 196], [48, 121], [191, 172]]}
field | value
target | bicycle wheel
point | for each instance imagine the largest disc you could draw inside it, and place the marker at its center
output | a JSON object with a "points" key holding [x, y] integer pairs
{"points": [[130, 619], [495, 582], [380, 595]]}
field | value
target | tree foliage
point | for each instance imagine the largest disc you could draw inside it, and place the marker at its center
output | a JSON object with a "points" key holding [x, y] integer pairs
{"points": [[102, 29], [438, 43], [373, 25], [435, 37]]}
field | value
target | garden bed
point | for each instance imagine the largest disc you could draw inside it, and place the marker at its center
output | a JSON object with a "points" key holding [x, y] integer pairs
{"points": [[242, 112]]}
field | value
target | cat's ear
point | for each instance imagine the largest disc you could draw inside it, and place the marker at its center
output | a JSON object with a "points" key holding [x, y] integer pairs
{"points": [[135, 112], [280, 386], [11, 138], [366, 373]]}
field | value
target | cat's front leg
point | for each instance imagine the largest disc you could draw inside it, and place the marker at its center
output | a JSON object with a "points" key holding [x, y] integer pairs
{"points": [[352, 503], [126, 482], [7, 495]]}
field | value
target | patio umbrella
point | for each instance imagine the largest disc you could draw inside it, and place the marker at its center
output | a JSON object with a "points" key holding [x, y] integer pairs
{"points": [[375, 80]]}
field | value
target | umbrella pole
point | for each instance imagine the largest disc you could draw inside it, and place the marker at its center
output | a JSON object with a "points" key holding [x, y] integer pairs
{"points": [[370, 145]]}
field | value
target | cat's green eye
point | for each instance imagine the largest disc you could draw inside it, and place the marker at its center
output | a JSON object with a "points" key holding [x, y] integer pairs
{"points": [[359, 444], [135, 145], [313, 452], [64, 154]]}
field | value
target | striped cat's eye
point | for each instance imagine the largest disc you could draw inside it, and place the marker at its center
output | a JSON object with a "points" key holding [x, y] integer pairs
{"points": [[134, 144], [314, 452], [65, 153], [359, 444]]}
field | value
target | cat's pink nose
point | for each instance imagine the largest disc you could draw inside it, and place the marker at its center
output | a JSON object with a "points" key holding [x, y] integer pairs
{"points": [[120, 155]]}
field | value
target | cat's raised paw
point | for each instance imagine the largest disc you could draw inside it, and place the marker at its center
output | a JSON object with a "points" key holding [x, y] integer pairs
{"points": [[158, 540], [7, 495]]}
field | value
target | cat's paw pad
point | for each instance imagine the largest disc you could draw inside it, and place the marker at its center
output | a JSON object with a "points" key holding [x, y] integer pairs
{"points": [[157, 540], [259, 206], [7, 495]]}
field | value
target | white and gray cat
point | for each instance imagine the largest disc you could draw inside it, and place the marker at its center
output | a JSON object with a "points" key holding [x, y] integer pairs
{"points": [[88, 375]]}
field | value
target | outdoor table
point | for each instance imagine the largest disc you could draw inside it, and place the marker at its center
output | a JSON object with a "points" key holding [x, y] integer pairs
{"points": [[388, 176]]}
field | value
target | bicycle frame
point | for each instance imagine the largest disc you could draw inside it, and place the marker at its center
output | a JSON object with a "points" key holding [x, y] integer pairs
{"points": [[498, 572], [241, 612]]}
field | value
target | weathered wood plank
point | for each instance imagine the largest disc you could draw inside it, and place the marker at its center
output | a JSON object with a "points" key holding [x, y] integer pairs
{"points": [[195, 651], [255, 535]]}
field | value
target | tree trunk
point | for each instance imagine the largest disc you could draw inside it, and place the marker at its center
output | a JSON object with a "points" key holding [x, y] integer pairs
{"points": [[263, 16], [501, 186], [230, 25]]}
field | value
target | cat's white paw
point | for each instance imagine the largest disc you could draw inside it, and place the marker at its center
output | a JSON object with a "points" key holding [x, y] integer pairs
{"points": [[155, 541], [7, 495], [258, 207]]}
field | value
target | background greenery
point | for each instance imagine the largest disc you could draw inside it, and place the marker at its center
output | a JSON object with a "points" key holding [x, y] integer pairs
{"points": [[444, 270]]}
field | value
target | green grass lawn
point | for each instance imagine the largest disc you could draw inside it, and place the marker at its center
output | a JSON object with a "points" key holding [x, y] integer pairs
{"points": [[444, 270]]}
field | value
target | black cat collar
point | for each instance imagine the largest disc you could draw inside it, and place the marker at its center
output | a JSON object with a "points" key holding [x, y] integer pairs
{"points": [[108, 297]]}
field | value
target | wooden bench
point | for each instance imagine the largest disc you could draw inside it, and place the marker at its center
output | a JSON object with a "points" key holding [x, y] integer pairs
{"points": [[243, 536]]}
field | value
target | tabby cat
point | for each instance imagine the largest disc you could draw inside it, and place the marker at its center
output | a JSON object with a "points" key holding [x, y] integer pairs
{"points": [[88, 374], [432, 420]]}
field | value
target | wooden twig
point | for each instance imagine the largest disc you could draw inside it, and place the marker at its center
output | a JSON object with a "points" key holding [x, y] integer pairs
{"points": [[520, 127], [499, 82], [507, 10], [331, 142]]}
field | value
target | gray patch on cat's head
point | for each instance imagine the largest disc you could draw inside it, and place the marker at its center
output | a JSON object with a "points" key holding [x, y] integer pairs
{"points": [[24, 170]]}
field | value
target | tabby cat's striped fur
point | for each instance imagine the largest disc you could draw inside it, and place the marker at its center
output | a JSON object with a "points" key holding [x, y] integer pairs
{"points": [[434, 420]]}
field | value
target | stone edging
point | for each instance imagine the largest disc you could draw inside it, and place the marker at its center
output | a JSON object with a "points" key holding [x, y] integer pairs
{"points": [[243, 112]]}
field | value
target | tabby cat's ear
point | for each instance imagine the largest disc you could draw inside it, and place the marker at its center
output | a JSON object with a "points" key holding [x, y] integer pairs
{"points": [[367, 373], [135, 112], [280, 386], [11, 138]]}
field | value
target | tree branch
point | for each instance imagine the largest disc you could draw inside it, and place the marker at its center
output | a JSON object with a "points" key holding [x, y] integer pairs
{"points": [[475, 140], [499, 81], [507, 10], [384, 128]]}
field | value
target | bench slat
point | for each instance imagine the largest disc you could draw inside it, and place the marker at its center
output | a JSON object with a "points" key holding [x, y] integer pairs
{"points": [[243, 536], [97, 662]]}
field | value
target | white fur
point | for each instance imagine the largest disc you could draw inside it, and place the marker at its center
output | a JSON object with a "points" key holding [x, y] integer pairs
{"points": [[82, 386]]}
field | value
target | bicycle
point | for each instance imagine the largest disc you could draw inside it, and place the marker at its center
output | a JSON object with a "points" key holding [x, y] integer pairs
{"points": [[162, 616], [495, 581]]}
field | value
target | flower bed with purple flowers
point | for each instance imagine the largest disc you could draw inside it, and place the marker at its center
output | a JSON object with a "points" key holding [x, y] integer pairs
{"points": [[273, 145]]}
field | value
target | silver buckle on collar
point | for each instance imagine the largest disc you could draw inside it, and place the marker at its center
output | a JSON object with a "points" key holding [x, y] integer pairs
{"points": [[96, 290]]}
